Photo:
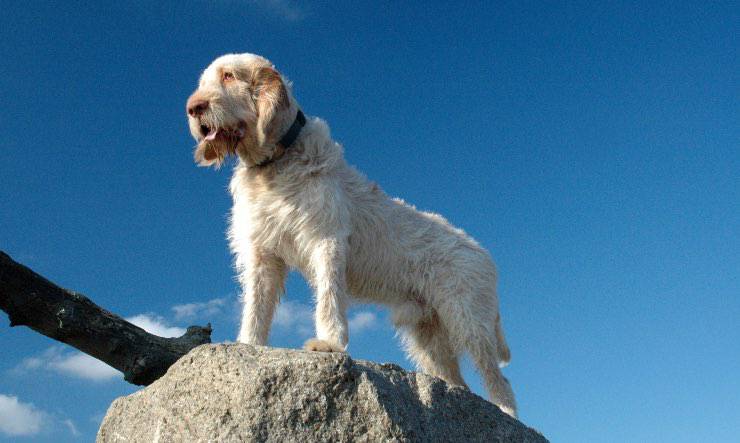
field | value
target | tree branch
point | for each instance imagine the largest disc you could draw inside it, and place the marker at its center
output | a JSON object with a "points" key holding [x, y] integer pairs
{"points": [[31, 300]]}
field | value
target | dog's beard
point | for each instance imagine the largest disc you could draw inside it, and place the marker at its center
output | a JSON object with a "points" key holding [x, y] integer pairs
{"points": [[215, 150], [216, 141]]}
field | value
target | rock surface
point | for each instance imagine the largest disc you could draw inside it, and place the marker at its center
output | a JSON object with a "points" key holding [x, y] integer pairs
{"points": [[236, 392]]}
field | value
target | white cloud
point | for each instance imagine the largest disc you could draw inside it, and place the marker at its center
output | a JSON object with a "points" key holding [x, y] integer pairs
{"points": [[156, 325], [189, 311], [72, 428], [75, 364], [32, 362], [362, 321], [18, 418], [294, 316], [286, 9], [84, 366], [97, 419]]}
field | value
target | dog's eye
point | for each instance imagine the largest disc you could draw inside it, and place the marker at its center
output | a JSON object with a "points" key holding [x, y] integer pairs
{"points": [[227, 76]]}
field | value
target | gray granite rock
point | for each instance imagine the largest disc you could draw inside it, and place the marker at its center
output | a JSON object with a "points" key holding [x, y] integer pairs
{"points": [[235, 393]]}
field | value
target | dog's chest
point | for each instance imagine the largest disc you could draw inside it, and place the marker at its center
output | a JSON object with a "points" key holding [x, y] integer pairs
{"points": [[270, 219]]}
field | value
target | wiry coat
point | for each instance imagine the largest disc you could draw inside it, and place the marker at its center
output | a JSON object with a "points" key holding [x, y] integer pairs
{"points": [[310, 211]]}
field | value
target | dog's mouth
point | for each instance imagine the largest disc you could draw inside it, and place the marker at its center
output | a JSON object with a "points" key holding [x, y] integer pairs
{"points": [[210, 134], [217, 141]]}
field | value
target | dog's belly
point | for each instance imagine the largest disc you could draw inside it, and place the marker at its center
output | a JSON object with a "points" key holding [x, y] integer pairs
{"points": [[378, 273], [371, 288], [287, 251]]}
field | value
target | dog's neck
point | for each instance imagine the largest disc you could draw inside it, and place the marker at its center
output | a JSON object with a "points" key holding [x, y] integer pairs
{"points": [[287, 140], [312, 151]]}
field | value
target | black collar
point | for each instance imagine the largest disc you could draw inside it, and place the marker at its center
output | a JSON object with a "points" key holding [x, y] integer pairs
{"points": [[289, 138], [293, 131]]}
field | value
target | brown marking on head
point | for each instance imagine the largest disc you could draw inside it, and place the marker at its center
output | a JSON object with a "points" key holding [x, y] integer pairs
{"points": [[271, 96]]}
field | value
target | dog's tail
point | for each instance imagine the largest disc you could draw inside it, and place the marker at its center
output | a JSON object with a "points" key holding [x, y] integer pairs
{"points": [[504, 354]]}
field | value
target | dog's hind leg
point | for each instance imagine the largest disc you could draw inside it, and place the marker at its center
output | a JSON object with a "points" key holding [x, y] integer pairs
{"points": [[467, 306], [427, 343], [477, 333]]}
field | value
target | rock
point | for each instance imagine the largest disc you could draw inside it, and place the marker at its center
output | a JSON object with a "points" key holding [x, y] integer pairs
{"points": [[236, 392]]}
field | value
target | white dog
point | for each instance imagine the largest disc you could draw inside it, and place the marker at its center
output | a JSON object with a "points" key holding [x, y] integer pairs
{"points": [[297, 204]]}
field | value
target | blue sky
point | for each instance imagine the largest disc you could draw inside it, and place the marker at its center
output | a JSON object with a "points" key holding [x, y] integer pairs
{"points": [[593, 149]]}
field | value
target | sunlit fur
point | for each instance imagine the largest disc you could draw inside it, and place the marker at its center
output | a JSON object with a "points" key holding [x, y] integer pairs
{"points": [[310, 211]]}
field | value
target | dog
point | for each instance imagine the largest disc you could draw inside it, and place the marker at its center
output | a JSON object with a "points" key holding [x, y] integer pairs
{"points": [[297, 204]]}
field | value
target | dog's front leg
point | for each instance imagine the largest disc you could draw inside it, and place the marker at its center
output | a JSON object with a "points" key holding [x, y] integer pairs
{"points": [[328, 265], [262, 276]]}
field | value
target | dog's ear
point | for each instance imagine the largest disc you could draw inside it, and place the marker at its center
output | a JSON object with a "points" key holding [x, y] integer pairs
{"points": [[271, 97]]}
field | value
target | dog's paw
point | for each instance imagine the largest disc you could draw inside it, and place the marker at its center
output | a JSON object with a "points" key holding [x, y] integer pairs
{"points": [[318, 345]]}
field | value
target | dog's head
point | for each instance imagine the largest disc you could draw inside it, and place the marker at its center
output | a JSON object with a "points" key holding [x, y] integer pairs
{"points": [[242, 106]]}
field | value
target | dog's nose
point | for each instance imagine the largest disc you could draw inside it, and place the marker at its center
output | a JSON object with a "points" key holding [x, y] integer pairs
{"points": [[196, 106]]}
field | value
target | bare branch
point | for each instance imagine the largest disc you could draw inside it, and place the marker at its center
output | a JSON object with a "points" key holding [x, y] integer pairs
{"points": [[31, 300]]}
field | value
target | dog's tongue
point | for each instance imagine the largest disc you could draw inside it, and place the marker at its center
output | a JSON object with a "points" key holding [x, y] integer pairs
{"points": [[212, 135], [238, 132]]}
